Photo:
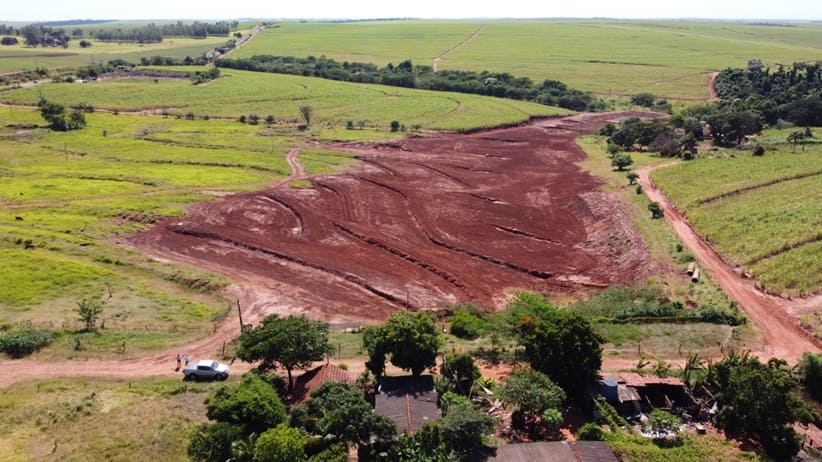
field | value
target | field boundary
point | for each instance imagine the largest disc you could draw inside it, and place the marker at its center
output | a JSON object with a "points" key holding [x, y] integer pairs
{"points": [[739, 191], [464, 42], [785, 248]]}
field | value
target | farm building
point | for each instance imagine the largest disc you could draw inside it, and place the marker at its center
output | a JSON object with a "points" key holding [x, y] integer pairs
{"points": [[632, 393], [409, 401], [311, 380], [555, 451]]}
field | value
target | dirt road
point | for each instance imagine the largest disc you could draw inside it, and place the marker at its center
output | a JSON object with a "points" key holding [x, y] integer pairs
{"points": [[474, 35], [782, 336], [712, 86]]}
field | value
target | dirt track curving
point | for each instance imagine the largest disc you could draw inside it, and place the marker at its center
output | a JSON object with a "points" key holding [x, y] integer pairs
{"points": [[783, 338]]}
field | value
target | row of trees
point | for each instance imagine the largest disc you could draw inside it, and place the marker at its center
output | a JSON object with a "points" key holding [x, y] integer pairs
{"points": [[155, 33], [39, 35], [406, 74]]}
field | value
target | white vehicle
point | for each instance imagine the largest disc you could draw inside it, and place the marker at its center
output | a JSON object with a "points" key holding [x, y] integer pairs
{"points": [[206, 369]]}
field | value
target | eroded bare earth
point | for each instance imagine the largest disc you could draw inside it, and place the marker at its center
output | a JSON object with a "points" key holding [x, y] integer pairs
{"points": [[424, 222]]}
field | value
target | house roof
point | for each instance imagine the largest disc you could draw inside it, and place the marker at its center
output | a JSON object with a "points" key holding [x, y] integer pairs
{"points": [[311, 380], [633, 379], [555, 451], [409, 401]]}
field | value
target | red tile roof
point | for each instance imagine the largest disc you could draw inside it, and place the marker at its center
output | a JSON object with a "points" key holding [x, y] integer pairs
{"points": [[311, 380]]}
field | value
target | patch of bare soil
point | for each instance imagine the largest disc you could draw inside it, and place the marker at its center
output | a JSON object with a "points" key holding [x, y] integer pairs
{"points": [[421, 223]]}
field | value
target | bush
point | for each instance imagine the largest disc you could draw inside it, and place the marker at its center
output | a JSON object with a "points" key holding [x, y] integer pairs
{"points": [[23, 342], [464, 429], [715, 315], [759, 150], [395, 125], [466, 325], [591, 432]]}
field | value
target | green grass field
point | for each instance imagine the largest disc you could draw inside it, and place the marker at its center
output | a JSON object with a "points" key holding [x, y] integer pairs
{"points": [[770, 230], [19, 57], [125, 421], [66, 200], [243, 93], [608, 57]]}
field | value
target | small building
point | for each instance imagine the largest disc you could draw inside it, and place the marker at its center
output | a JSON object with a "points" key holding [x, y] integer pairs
{"points": [[312, 379], [555, 451], [632, 393], [409, 401]]}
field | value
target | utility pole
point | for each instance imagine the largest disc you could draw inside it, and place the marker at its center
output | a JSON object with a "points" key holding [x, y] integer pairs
{"points": [[240, 314]]}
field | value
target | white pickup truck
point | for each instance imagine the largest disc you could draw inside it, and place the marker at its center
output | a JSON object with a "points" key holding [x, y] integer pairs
{"points": [[206, 369]]}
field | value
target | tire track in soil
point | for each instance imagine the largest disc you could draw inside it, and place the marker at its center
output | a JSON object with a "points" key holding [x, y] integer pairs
{"points": [[328, 275], [783, 337], [436, 62]]}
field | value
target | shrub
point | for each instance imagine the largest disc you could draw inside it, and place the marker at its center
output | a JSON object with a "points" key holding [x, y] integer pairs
{"points": [[466, 325], [591, 432], [23, 342], [395, 125]]}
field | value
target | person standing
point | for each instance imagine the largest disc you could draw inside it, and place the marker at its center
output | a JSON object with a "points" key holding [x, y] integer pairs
{"points": [[178, 363]]}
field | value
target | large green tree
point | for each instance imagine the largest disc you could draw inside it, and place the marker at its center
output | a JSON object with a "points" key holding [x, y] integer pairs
{"points": [[293, 342], [410, 339], [252, 404], [461, 372], [561, 344], [758, 399], [532, 393], [213, 442], [809, 371], [280, 444], [465, 428], [339, 410]]}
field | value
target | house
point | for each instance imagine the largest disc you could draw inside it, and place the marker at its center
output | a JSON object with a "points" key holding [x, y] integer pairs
{"points": [[311, 380], [555, 451], [409, 401], [632, 393]]}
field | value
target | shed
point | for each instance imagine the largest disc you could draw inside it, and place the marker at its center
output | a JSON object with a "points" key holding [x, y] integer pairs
{"points": [[555, 451], [409, 401]]}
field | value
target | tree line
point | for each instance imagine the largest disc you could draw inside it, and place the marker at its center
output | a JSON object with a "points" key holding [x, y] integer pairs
{"points": [[153, 33], [791, 93], [408, 75]]}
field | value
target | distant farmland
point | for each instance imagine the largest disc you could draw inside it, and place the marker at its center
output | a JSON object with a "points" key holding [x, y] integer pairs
{"points": [[243, 93], [671, 59]]}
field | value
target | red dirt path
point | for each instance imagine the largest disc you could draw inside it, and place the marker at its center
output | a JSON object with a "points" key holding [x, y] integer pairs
{"points": [[783, 338], [420, 223]]}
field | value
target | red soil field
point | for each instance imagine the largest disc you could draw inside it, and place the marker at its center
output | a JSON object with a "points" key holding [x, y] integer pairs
{"points": [[419, 223]]}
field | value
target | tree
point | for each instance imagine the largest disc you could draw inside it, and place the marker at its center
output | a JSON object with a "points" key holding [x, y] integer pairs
{"points": [[758, 399], [306, 112], [461, 371], [564, 346], [632, 177], [796, 137], [8, 41], [656, 210], [532, 393], [339, 409], [253, 405], [464, 429], [809, 372], [411, 340], [213, 442], [85, 44], [269, 120], [620, 161], [280, 444], [643, 99], [293, 342], [89, 311], [395, 125]]}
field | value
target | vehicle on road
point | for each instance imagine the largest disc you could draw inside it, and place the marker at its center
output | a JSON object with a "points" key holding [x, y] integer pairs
{"points": [[206, 369]]}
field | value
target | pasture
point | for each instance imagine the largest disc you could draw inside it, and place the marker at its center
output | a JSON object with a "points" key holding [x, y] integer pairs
{"points": [[134, 420], [607, 57], [238, 93], [66, 199], [762, 213], [20, 57]]}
